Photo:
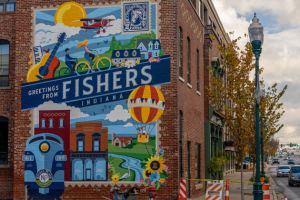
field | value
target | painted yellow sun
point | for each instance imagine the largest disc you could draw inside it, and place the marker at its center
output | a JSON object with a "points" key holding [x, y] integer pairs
{"points": [[155, 164], [69, 14]]}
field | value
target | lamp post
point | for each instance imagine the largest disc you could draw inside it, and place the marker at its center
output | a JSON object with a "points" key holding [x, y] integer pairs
{"points": [[262, 95], [256, 38]]}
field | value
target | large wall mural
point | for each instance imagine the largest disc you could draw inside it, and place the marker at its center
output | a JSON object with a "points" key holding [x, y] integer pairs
{"points": [[93, 91]]}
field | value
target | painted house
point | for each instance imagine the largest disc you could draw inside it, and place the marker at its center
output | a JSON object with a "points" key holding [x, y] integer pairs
{"points": [[121, 141], [128, 57], [149, 48], [89, 151]]}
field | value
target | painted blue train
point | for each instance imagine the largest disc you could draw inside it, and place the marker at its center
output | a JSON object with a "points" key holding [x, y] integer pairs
{"points": [[44, 159]]}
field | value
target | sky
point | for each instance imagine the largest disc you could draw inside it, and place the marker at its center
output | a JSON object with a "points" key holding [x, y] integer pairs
{"points": [[281, 49]]}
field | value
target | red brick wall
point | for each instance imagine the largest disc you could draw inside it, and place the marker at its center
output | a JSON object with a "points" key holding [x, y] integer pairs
{"points": [[190, 101], [7, 32], [21, 120]]}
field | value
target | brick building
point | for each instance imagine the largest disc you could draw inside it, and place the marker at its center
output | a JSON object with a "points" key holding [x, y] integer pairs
{"points": [[57, 122], [89, 151], [184, 29]]}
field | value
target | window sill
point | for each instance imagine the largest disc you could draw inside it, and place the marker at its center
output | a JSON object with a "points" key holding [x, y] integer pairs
{"points": [[189, 85], [199, 93], [4, 166], [5, 88], [181, 79]]}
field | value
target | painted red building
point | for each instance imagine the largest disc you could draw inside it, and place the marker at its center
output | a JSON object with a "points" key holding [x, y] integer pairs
{"points": [[57, 122]]}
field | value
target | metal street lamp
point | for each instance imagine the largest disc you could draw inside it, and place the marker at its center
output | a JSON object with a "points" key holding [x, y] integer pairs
{"points": [[256, 35], [262, 95]]}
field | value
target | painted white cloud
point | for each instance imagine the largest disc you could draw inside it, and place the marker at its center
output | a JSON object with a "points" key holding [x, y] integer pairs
{"points": [[128, 124], [47, 34], [50, 105], [118, 114], [115, 28]]}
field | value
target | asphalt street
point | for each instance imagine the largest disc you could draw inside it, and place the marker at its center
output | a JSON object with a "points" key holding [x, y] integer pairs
{"points": [[292, 193]]}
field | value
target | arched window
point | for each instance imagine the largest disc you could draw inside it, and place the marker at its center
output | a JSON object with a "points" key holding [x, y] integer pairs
{"points": [[96, 142], [80, 142], [180, 53], [43, 123], [61, 123], [50, 123], [4, 63], [188, 60], [3, 140]]}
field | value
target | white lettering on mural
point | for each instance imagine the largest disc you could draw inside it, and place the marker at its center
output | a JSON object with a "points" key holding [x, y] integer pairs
{"points": [[101, 84], [88, 86], [116, 78], [65, 89], [131, 75], [147, 75]]}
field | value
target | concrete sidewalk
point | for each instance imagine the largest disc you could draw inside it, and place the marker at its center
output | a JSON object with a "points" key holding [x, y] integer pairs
{"points": [[235, 187]]}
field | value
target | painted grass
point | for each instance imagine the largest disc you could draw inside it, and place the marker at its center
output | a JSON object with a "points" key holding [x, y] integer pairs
{"points": [[135, 150], [116, 168]]}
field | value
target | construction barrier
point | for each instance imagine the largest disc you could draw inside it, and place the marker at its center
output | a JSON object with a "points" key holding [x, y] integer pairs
{"points": [[227, 189], [266, 190], [214, 190], [182, 190]]}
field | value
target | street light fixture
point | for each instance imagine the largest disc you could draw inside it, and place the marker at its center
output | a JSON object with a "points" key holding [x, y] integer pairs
{"points": [[256, 34]]}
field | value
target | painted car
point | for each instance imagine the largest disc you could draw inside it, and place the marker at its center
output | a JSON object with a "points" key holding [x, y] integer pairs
{"points": [[294, 176], [283, 170], [44, 159]]}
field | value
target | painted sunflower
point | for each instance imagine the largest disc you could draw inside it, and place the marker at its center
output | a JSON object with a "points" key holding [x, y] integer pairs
{"points": [[155, 164], [115, 179]]}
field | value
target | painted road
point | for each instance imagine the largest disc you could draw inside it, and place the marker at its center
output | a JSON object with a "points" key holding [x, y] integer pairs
{"points": [[133, 163], [292, 193]]}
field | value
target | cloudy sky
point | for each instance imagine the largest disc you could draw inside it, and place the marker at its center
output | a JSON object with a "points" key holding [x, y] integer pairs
{"points": [[281, 48]]}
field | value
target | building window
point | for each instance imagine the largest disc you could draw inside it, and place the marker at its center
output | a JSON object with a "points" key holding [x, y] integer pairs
{"points": [[10, 7], [198, 70], [61, 123], [4, 63], [188, 60], [181, 144], [180, 53], [43, 123], [80, 142], [96, 142], [3, 140], [200, 9], [189, 168], [1, 7], [50, 123], [197, 161], [205, 16]]}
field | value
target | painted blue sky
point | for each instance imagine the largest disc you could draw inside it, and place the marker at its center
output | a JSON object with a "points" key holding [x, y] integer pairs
{"points": [[281, 48]]}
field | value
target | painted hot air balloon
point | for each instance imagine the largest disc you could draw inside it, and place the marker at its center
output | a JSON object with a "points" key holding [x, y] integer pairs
{"points": [[146, 104]]}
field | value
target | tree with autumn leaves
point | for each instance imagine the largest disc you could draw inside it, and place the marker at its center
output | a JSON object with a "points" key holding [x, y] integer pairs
{"points": [[232, 93]]}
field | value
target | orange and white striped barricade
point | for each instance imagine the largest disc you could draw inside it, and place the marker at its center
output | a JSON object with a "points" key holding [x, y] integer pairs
{"points": [[227, 189], [266, 191], [214, 190], [182, 190]]}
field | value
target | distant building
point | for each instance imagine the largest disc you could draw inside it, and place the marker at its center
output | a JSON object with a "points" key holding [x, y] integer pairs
{"points": [[57, 122], [149, 48], [121, 141], [89, 152], [122, 58]]}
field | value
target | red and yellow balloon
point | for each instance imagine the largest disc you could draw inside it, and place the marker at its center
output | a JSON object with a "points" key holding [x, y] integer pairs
{"points": [[146, 104]]}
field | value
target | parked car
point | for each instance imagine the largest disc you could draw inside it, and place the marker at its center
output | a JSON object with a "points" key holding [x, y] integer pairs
{"points": [[291, 162], [294, 176], [283, 170], [275, 161]]}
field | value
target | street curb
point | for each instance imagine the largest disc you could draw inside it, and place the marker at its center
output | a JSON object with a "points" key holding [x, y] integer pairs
{"points": [[273, 182]]}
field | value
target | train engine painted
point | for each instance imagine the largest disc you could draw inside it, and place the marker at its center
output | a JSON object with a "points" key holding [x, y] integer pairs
{"points": [[44, 160]]}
